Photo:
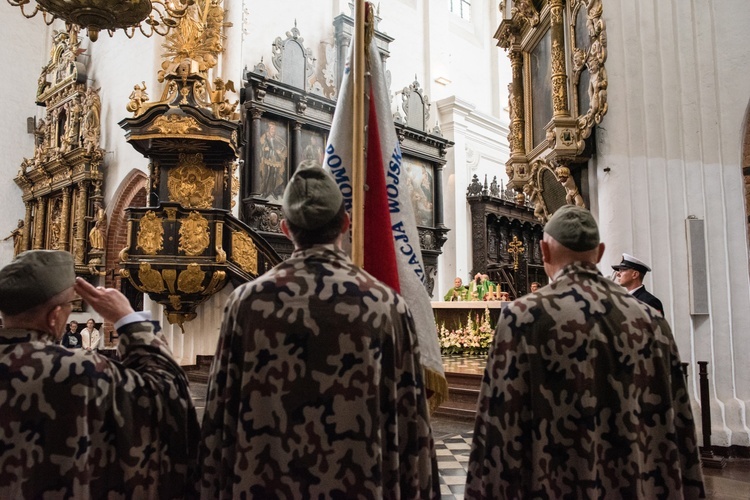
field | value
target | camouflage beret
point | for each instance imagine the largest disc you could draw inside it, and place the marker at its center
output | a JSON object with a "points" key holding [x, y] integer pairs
{"points": [[311, 199], [574, 228], [33, 278]]}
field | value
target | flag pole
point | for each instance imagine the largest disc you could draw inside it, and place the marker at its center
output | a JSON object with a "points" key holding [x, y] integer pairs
{"points": [[358, 136]]}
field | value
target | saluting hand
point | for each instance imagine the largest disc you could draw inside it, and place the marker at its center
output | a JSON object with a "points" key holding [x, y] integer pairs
{"points": [[108, 302]]}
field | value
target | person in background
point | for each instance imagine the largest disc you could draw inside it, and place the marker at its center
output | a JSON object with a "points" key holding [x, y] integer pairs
{"points": [[72, 338], [535, 285], [86, 426], [583, 395], [458, 292], [480, 286], [316, 389], [630, 273], [90, 337]]}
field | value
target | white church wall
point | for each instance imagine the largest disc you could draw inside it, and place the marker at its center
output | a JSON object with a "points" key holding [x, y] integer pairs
{"points": [[20, 40], [671, 141]]}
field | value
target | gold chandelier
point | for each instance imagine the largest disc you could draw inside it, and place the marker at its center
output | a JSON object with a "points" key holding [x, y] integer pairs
{"points": [[147, 16]]}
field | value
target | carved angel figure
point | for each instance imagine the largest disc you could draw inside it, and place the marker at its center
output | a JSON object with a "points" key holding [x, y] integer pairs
{"points": [[91, 120], [96, 235], [572, 195], [222, 108], [137, 97], [532, 192], [17, 235]]}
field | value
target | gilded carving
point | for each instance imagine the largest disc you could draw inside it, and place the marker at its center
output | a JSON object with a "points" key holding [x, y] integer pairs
{"points": [[221, 255], [235, 190], [191, 184], [525, 10], [244, 252], [572, 195], [150, 236], [216, 281], [594, 59], [170, 275], [191, 279], [17, 235], [175, 124], [151, 280], [137, 98], [96, 235], [194, 236]]}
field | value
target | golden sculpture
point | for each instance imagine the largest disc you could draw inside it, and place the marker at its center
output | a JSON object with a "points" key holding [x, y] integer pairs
{"points": [[137, 97], [191, 279], [191, 184], [92, 121], [150, 278], [244, 252], [17, 235], [174, 124], [194, 236], [96, 235], [151, 234], [572, 195]]}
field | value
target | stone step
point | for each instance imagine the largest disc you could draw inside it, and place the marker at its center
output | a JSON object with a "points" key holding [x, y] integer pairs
{"points": [[463, 392]]}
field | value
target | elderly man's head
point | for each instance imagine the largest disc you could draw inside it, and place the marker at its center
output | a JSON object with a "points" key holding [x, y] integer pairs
{"points": [[458, 282], [571, 235], [36, 291]]}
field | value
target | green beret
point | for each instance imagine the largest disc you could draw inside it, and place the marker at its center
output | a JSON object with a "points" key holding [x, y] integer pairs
{"points": [[574, 228], [33, 278], [311, 199]]}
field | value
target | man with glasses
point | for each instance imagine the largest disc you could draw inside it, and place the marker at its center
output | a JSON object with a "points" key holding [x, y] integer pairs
{"points": [[77, 424]]}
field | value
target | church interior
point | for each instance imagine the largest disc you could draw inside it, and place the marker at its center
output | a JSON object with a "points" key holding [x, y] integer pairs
{"points": [[158, 154]]}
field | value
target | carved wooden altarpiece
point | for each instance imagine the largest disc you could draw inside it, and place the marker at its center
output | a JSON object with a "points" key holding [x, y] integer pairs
{"points": [[287, 119], [500, 227], [62, 182], [558, 94]]}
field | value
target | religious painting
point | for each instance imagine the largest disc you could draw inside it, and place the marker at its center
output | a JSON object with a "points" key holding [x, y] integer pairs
{"points": [[312, 147], [540, 64], [273, 164], [419, 182]]}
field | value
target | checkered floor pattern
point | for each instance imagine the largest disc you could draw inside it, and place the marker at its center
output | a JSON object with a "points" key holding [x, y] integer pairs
{"points": [[453, 461]]}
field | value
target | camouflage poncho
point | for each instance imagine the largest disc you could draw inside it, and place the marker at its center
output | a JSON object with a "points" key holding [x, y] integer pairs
{"points": [[583, 397], [316, 389], [75, 424]]}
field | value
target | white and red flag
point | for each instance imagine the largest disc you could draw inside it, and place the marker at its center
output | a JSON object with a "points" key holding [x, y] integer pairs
{"points": [[391, 239]]}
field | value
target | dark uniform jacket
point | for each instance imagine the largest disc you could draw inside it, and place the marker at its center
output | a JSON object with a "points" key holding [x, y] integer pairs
{"points": [[644, 296]]}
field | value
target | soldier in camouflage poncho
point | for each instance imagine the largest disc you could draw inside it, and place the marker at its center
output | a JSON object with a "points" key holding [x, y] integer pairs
{"points": [[583, 395], [74, 424], [316, 390]]}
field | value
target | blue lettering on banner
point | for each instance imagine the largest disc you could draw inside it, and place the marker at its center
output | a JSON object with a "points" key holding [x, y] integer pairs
{"points": [[399, 232], [335, 165]]}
